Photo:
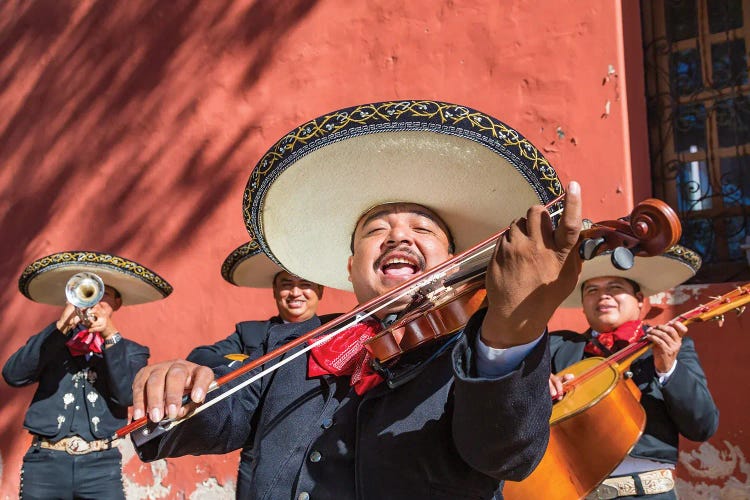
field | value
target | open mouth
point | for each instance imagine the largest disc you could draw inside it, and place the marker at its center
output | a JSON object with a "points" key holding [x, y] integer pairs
{"points": [[294, 304], [397, 265]]}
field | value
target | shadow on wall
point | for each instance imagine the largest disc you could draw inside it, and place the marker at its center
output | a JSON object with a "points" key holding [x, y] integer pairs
{"points": [[123, 112]]}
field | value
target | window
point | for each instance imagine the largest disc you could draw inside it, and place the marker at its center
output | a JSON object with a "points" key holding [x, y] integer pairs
{"points": [[698, 97]]}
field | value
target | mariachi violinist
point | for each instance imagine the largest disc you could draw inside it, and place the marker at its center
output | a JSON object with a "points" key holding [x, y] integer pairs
{"points": [[84, 368], [396, 189]]}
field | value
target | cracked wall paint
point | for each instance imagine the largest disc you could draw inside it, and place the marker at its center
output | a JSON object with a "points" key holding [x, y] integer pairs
{"points": [[210, 489], [726, 473], [134, 491], [679, 295]]}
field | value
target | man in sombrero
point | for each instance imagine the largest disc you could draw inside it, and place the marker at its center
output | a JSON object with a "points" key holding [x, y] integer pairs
{"points": [[675, 394], [296, 300], [84, 368], [398, 188]]}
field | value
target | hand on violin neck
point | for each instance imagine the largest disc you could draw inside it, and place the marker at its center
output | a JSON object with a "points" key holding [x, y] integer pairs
{"points": [[158, 389], [534, 268], [667, 341]]}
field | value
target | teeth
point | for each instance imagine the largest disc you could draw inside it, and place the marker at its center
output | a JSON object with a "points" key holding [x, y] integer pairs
{"points": [[398, 260]]}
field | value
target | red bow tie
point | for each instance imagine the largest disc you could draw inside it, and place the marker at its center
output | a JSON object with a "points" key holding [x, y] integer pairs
{"points": [[613, 341], [345, 354], [85, 342]]}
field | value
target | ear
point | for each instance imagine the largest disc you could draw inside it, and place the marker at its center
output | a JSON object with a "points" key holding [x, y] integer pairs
{"points": [[349, 267], [641, 299]]}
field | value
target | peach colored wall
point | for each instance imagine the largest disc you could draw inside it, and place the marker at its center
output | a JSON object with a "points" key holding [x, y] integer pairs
{"points": [[131, 127]]}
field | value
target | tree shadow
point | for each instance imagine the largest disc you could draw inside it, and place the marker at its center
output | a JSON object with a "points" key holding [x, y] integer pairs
{"points": [[109, 126]]}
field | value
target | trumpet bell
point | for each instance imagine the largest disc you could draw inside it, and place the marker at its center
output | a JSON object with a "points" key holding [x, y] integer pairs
{"points": [[84, 290]]}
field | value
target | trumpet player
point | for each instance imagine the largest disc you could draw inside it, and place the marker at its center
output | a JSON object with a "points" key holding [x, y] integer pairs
{"points": [[83, 367]]}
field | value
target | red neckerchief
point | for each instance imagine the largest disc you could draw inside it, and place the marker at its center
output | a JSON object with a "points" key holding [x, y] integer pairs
{"points": [[85, 342], [613, 341], [345, 354]]}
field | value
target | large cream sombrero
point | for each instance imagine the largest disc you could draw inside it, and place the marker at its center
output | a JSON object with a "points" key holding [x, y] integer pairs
{"points": [[653, 274], [248, 266], [307, 192], [44, 279]]}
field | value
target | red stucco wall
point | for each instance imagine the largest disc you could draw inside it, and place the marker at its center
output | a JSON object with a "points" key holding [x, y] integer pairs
{"points": [[131, 127]]}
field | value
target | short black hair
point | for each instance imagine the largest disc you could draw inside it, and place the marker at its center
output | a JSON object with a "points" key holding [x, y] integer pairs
{"points": [[440, 221], [115, 291], [451, 243], [636, 286]]}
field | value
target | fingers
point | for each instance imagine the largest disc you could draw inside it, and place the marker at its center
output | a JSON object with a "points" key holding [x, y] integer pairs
{"points": [[556, 385], [679, 328], [158, 390], [539, 226], [668, 334], [139, 387], [666, 341], [567, 231]]}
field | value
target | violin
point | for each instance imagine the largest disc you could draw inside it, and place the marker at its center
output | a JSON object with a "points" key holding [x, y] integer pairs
{"points": [[650, 229], [444, 297]]}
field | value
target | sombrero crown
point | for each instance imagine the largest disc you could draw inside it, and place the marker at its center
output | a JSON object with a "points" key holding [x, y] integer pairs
{"points": [[306, 193], [44, 279], [653, 274]]}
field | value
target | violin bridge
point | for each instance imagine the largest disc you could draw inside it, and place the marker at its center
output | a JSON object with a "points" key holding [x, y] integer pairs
{"points": [[427, 286], [438, 293]]}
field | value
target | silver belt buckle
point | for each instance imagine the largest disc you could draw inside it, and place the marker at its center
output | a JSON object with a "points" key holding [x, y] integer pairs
{"points": [[77, 446], [603, 492]]}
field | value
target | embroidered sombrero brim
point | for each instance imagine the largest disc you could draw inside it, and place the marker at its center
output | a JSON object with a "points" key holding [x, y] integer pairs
{"points": [[44, 279], [248, 266], [305, 195], [654, 274]]}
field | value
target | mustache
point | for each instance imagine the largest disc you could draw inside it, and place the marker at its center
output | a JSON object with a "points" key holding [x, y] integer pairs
{"points": [[400, 250]]}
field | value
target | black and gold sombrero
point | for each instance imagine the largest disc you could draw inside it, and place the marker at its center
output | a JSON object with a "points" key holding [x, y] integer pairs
{"points": [[307, 192], [44, 279], [248, 266], [653, 274]]}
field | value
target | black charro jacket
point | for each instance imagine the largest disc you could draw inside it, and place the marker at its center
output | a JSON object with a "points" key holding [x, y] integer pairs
{"points": [[683, 406], [101, 387], [446, 433], [247, 338]]}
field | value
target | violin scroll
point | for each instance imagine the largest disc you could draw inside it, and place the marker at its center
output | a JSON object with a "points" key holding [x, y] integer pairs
{"points": [[650, 229]]}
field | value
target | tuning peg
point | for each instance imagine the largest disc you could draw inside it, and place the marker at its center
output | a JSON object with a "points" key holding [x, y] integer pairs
{"points": [[622, 258], [720, 320], [589, 247], [740, 310]]}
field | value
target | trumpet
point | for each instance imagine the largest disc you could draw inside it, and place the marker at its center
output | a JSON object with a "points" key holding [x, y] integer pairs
{"points": [[84, 290]]}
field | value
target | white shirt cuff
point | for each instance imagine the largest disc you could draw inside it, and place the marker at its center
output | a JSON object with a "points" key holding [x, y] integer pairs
{"points": [[664, 377], [494, 363]]}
